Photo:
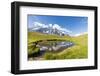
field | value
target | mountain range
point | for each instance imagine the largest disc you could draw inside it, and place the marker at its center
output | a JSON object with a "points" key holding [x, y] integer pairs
{"points": [[48, 29]]}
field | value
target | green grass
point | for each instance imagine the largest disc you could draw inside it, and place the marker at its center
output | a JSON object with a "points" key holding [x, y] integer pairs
{"points": [[78, 51], [35, 36], [31, 52]]}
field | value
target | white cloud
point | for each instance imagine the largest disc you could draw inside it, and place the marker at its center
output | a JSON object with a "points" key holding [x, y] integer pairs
{"points": [[37, 25], [50, 25]]}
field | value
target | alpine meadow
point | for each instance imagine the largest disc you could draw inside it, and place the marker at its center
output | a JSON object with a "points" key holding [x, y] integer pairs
{"points": [[57, 37]]}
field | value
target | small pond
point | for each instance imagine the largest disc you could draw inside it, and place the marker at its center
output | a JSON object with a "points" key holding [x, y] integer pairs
{"points": [[52, 46]]}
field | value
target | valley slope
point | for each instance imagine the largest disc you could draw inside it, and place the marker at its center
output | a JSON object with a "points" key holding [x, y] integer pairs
{"points": [[78, 51]]}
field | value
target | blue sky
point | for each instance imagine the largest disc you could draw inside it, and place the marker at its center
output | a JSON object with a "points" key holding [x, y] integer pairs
{"points": [[75, 24]]}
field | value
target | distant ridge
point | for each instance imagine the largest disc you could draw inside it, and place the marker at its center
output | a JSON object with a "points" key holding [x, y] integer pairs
{"points": [[49, 29]]}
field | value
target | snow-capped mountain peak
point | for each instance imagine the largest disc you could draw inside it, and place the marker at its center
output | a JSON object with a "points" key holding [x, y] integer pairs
{"points": [[49, 29]]}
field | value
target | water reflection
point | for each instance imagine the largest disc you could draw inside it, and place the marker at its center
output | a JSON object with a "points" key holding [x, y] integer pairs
{"points": [[54, 45], [49, 46]]}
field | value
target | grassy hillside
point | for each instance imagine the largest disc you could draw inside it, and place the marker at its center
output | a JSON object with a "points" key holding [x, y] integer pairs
{"points": [[78, 51], [36, 36]]}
